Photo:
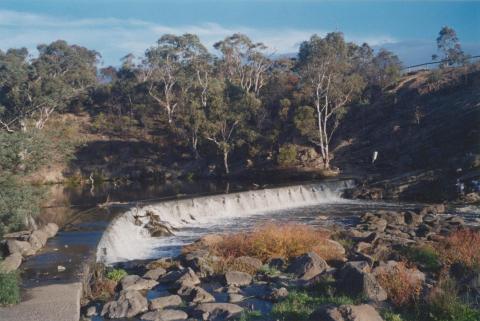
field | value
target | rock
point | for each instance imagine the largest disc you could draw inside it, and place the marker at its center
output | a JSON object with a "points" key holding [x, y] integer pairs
{"points": [[165, 301], [158, 229], [195, 294], [277, 263], [307, 266], [235, 298], [277, 295], [11, 263], [164, 315], [412, 218], [135, 282], [392, 217], [200, 262], [249, 262], [22, 247], [362, 247], [91, 311], [355, 280], [335, 249], [21, 236], [472, 198], [433, 209], [455, 220], [38, 239], [155, 274], [217, 311], [187, 278], [129, 304], [61, 268], [51, 229], [237, 278], [181, 278], [363, 312]]}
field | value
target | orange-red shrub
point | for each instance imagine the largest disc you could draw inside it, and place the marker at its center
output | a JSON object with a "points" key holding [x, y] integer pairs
{"points": [[401, 288], [463, 247], [275, 241]]}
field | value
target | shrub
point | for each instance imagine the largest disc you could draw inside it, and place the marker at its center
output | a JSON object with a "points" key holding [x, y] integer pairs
{"points": [[298, 305], [424, 256], [274, 241], [391, 316], [9, 289], [287, 155], [443, 304], [116, 274], [401, 288], [18, 202], [461, 247]]}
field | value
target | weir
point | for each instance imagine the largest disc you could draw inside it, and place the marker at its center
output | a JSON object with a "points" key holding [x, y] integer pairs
{"points": [[126, 238]]}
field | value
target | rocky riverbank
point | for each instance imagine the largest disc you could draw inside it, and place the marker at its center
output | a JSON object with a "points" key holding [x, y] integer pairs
{"points": [[19, 245], [392, 265]]}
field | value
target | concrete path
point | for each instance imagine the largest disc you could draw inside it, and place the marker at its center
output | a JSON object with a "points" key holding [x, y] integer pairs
{"points": [[57, 302]]}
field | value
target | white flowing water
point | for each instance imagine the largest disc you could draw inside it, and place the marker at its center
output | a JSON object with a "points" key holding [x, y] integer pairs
{"points": [[124, 240]]}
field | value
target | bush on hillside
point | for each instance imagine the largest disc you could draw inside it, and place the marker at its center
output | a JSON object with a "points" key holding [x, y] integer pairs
{"points": [[287, 155]]}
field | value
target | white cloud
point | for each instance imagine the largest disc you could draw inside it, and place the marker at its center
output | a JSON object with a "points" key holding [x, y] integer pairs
{"points": [[114, 38]]}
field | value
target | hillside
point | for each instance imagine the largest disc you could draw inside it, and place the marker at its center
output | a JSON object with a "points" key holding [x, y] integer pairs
{"points": [[426, 131]]}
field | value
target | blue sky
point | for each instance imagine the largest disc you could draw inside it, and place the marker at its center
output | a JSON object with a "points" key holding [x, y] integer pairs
{"points": [[117, 27]]}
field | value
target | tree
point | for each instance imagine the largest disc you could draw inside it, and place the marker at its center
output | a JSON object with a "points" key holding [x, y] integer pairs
{"points": [[328, 76], [33, 89], [386, 68], [244, 62], [225, 117], [449, 47]]}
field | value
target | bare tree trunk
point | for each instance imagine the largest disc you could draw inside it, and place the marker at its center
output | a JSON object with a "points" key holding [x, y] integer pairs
{"points": [[225, 161]]}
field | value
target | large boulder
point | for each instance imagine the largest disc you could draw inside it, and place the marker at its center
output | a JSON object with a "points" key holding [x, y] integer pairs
{"points": [[307, 266], [135, 282], [22, 247], [195, 294], [237, 278], [38, 239], [217, 311], [164, 315], [181, 278], [154, 274], [164, 302], [11, 263], [363, 312], [129, 304], [51, 229], [200, 261], [356, 280]]}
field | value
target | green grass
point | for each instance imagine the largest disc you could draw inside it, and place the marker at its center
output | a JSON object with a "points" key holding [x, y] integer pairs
{"points": [[268, 270], [298, 305], [116, 274], [249, 315], [9, 288], [425, 257]]}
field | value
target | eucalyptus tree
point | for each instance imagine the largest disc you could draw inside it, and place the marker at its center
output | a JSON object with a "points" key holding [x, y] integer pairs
{"points": [[33, 89], [244, 62], [329, 79], [449, 47]]}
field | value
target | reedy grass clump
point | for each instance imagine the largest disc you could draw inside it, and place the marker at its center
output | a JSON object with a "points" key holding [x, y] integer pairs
{"points": [[9, 288]]}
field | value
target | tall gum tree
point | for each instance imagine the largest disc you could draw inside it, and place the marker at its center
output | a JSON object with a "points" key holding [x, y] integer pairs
{"points": [[328, 76]]}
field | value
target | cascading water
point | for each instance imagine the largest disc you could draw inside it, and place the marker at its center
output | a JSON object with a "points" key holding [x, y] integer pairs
{"points": [[127, 238]]}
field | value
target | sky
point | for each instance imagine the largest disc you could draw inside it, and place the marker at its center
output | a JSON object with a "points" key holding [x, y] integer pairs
{"points": [[115, 28]]}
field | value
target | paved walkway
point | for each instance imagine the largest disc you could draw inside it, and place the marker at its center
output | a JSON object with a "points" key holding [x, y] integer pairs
{"points": [[57, 302]]}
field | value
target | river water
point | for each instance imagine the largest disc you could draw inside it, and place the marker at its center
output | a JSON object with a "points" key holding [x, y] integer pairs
{"points": [[110, 235]]}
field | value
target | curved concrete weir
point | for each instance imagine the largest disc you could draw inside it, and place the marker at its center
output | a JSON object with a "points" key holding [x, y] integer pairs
{"points": [[126, 238]]}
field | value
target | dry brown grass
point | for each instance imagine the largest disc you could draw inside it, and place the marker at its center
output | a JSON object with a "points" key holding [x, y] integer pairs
{"points": [[462, 247], [274, 241], [401, 288]]}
